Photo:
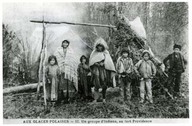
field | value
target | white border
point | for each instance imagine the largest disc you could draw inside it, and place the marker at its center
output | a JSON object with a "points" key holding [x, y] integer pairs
{"points": [[175, 121]]}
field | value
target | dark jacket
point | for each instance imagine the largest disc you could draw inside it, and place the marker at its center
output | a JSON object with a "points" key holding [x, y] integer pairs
{"points": [[176, 62], [83, 70]]}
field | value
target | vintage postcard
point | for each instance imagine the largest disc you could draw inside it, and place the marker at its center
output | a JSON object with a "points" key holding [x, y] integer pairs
{"points": [[95, 62]]}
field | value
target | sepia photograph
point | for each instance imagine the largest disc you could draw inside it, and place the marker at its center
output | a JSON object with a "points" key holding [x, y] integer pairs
{"points": [[105, 61]]}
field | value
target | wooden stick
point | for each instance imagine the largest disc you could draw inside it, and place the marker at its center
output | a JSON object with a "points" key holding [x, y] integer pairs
{"points": [[44, 61], [41, 61], [39, 74], [67, 88], [165, 89], [72, 23]]}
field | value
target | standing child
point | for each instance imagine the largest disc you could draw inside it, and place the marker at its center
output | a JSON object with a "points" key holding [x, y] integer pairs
{"points": [[83, 70], [146, 70], [175, 67], [124, 68], [52, 80]]}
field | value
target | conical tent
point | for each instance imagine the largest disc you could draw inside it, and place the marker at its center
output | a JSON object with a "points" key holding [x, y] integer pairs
{"points": [[132, 34]]}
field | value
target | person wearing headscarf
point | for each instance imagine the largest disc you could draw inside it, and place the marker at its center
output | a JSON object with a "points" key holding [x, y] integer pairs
{"points": [[102, 68]]}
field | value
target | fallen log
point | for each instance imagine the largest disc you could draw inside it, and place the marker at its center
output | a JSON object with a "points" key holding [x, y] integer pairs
{"points": [[21, 88], [22, 94]]}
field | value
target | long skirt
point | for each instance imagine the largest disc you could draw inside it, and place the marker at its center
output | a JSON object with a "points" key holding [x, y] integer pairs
{"points": [[99, 81], [52, 89], [83, 86], [66, 88]]}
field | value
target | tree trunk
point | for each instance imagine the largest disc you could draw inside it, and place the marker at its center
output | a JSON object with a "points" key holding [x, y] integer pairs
{"points": [[22, 88]]}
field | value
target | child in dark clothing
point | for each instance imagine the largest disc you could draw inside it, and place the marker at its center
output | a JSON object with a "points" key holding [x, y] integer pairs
{"points": [[83, 70], [176, 66]]}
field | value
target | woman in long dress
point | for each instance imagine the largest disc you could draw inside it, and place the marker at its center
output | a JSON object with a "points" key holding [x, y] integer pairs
{"points": [[102, 68], [68, 68]]}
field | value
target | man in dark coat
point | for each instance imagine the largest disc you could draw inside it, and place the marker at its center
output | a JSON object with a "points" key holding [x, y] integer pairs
{"points": [[175, 64]]}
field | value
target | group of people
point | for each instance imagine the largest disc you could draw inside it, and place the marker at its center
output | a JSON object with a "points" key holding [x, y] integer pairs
{"points": [[64, 79]]}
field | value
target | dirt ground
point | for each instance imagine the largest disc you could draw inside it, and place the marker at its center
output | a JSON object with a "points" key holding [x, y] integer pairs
{"points": [[26, 106]]}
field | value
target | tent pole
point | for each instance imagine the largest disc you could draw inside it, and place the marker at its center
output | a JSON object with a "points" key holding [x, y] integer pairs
{"points": [[40, 63], [44, 68], [72, 23], [43, 57]]}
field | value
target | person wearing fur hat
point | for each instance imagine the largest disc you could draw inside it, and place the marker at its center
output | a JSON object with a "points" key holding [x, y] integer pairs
{"points": [[175, 65], [146, 70], [124, 68]]}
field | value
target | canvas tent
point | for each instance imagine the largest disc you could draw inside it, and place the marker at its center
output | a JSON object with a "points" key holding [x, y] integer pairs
{"points": [[137, 26], [54, 36]]}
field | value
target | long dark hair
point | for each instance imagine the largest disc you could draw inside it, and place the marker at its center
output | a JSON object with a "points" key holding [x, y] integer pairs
{"points": [[52, 57], [84, 57], [64, 41]]}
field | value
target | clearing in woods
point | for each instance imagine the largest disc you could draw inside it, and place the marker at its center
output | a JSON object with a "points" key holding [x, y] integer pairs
{"points": [[26, 106]]}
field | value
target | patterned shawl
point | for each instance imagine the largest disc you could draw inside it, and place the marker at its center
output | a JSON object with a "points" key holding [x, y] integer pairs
{"points": [[68, 64]]}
